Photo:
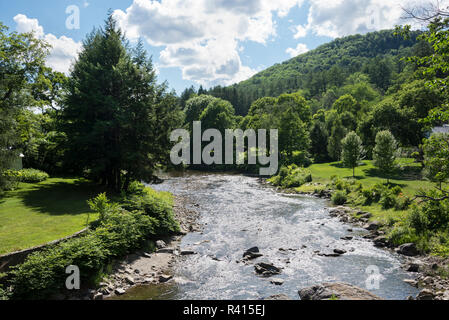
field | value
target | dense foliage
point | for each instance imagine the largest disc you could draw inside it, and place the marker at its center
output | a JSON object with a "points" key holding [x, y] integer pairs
{"points": [[321, 72], [120, 231], [117, 119], [22, 70]]}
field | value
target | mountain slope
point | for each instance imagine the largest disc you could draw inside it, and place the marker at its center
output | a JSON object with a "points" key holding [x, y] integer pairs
{"points": [[377, 54]]}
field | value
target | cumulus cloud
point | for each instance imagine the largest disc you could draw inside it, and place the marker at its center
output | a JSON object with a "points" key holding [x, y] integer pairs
{"points": [[64, 50], [300, 49], [341, 18], [203, 37]]}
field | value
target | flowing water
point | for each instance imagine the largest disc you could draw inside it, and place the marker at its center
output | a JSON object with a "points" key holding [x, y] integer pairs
{"points": [[238, 213]]}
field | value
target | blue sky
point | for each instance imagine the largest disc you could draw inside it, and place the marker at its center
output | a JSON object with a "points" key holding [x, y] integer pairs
{"points": [[207, 42]]}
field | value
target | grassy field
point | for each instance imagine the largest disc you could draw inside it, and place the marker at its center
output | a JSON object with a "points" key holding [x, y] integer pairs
{"points": [[408, 177], [35, 214]]}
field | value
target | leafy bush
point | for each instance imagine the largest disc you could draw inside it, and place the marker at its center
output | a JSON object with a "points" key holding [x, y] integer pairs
{"points": [[397, 190], [158, 205], [418, 221], [119, 232], [387, 200], [339, 198], [102, 205], [291, 177], [378, 190], [403, 203], [402, 234], [301, 158], [435, 212], [44, 272], [368, 196], [27, 175]]}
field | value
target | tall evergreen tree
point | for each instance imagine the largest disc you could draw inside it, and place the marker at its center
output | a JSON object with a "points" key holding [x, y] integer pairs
{"points": [[117, 118]]}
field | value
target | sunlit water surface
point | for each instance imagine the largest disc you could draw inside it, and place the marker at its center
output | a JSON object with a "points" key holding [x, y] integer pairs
{"points": [[238, 213]]}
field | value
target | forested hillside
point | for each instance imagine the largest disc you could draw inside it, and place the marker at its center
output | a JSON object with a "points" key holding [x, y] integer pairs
{"points": [[320, 71]]}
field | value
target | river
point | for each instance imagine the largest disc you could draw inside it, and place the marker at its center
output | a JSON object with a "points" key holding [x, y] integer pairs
{"points": [[240, 212]]}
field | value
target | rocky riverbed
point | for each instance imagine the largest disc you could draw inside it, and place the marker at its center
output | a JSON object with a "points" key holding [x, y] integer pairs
{"points": [[425, 271], [146, 268]]}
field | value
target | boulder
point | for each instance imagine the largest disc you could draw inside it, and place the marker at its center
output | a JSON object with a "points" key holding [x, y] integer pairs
{"points": [[340, 291], [372, 226], [408, 249], [412, 267], [160, 244], [381, 242], [339, 251], [347, 238], [130, 280], [277, 282], [425, 294], [98, 296], [252, 253], [119, 291], [165, 278], [266, 270]]}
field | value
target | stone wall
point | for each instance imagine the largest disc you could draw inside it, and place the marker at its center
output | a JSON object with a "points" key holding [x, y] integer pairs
{"points": [[18, 257]]}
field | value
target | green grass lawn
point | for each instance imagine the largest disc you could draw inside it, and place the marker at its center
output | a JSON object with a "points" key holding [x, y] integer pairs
{"points": [[408, 177], [35, 214]]}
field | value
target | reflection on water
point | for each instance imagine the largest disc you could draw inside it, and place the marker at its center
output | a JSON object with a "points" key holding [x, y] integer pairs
{"points": [[238, 213]]}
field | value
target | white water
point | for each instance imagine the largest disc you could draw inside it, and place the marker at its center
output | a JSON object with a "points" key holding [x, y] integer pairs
{"points": [[239, 212]]}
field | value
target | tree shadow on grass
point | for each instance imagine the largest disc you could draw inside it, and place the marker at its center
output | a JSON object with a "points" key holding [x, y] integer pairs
{"points": [[61, 198], [404, 174], [340, 165]]}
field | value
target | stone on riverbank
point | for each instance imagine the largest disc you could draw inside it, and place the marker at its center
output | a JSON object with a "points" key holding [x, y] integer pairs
{"points": [[160, 244], [339, 291], [408, 249], [165, 278], [426, 294]]}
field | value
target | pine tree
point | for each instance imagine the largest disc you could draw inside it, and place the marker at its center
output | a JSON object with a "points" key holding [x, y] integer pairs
{"points": [[352, 151], [116, 117]]}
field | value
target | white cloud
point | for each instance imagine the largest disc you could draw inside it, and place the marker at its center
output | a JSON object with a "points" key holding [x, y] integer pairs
{"points": [[203, 37], [300, 49], [345, 17], [301, 32], [64, 50]]}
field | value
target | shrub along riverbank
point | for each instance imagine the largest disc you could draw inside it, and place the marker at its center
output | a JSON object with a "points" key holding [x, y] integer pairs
{"points": [[123, 226], [403, 218]]}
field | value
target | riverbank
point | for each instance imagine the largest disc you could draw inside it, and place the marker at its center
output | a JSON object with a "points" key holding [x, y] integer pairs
{"points": [[427, 272], [153, 266]]}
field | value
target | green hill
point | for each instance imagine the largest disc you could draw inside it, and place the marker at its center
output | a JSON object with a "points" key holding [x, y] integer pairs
{"points": [[376, 54]]}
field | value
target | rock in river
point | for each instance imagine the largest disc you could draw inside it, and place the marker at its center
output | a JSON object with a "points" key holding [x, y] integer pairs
{"points": [[340, 291], [277, 282], [408, 249], [266, 270], [252, 253], [339, 251]]}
